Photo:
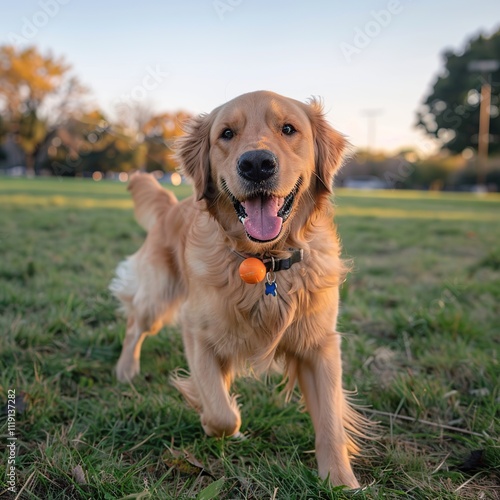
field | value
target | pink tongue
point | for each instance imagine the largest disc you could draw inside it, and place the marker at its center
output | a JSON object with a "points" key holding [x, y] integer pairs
{"points": [[262, 222]]}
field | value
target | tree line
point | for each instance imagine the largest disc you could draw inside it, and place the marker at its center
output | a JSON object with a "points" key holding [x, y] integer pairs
{"points": [[47, 123]]}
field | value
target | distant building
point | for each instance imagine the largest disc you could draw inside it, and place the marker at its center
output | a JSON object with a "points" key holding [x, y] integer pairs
{"points": [[13, 155]]}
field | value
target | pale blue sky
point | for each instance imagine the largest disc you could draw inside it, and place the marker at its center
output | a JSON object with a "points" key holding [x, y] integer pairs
{"points": [[204, 52]]}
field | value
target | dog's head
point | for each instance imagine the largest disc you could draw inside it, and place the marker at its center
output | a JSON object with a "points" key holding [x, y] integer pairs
{"points": [[258, 161]]}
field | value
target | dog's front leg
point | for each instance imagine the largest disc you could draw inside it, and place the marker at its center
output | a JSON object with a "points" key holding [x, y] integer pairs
{"points": [[320, 379], [212, 378]]}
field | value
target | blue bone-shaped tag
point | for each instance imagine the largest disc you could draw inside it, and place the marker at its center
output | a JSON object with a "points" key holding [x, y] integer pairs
{"points": [[271, 289]]}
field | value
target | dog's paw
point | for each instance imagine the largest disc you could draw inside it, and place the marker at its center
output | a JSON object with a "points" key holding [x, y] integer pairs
{"points": [[222, 424], [126, 371], [239, 436]]}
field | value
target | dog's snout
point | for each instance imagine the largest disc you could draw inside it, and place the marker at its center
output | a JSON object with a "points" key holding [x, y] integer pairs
{"points": [[257, 165]]}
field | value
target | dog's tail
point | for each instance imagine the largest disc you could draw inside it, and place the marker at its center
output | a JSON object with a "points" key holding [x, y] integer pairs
{"points": [[150, 199]]}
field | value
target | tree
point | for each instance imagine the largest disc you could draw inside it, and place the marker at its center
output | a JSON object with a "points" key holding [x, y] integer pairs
{"points": [[450, 112], [3, 128], [37, 93], [154, 134], [160, 133]]}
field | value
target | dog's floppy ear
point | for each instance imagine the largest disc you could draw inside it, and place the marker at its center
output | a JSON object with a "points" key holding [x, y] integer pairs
{"points": [[330, 147], [192, 152]]}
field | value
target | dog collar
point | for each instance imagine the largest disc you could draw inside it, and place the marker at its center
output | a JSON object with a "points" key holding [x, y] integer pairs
{"points": [[275, 265], [253, 269]]}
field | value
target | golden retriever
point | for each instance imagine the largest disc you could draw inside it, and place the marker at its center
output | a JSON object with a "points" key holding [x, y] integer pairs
{"points": [[262, 166]]}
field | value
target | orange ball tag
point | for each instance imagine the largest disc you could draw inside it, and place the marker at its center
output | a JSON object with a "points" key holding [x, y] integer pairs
{"points": [[252, 270]]}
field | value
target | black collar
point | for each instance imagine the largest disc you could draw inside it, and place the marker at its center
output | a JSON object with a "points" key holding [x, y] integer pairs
{"points": [[274, 265]]}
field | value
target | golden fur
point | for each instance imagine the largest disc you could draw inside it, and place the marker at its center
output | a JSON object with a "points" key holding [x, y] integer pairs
{"points": [[188, 266]]}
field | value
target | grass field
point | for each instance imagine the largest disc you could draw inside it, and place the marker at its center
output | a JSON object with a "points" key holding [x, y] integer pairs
{"points": [[421, 317]]}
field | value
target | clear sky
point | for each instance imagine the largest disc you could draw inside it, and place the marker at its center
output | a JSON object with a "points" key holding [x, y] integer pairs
{"points": [[194, 55]]}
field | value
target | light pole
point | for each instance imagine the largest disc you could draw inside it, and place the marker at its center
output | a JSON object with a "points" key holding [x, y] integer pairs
{"points": [[485, 67], [371, 115]]}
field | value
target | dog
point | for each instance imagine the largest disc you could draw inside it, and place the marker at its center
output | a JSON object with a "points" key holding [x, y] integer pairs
{"points": [[262, 167]]}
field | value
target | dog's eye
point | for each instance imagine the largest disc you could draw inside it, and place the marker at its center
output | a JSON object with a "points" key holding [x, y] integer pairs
{"points": [[227, 134], [288, 129]]}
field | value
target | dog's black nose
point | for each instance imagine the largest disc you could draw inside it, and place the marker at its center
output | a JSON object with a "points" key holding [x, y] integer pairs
{"points": [[257, 165]]}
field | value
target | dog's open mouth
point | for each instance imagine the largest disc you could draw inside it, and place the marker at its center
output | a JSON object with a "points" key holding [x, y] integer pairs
{"points": [[263, 215]]}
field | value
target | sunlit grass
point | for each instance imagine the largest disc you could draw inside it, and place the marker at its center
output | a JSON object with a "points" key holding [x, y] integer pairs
{"points": [[84, 193], [419, 195], [63, 201], [394, 213]]}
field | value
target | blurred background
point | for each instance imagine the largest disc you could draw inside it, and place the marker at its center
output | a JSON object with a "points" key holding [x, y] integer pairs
{"points": [[98, 89]]}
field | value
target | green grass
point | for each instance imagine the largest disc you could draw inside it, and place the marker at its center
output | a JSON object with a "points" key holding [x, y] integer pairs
{"points": [[420, 312]]}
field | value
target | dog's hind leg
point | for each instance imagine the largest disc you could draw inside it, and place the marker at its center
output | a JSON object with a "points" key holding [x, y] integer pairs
{"points": [[128, 365], [150, 299]]}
